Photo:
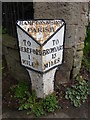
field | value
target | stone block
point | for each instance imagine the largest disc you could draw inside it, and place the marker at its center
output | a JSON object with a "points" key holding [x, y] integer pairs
{"points": [[71, 36], [79, 55], [80, 46], [62, 77], [78, 59], [75, 71], [68, 58], [76, 62], [63, 73], [82, 33]]}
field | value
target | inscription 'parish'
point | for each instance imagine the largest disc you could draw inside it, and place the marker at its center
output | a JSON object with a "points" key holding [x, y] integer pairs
{"points": [[41, 43]]}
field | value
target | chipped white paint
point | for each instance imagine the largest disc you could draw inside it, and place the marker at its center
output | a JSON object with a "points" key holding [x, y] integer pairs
{"points": [[41, 30], [41, 50]]}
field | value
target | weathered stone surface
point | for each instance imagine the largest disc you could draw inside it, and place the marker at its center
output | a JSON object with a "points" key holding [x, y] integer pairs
{"points": [[71, 38], [77, 58], [62, 77], [79, 55], [81, 33], [80, 46], [77, 63], [68, 58], [57, 10], [63, 73], [76, 70]]}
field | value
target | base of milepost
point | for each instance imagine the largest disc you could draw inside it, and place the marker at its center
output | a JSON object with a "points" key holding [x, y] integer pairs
{"points": [[43, 84]]}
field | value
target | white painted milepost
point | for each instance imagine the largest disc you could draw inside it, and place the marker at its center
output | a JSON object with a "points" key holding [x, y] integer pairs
{"points": [[41, 51]]}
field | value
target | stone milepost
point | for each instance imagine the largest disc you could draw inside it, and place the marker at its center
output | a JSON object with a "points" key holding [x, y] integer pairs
{"points": [[41, 51]]}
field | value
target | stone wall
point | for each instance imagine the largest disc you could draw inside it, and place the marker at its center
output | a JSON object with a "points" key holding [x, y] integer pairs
{"points": [[76, 18]]}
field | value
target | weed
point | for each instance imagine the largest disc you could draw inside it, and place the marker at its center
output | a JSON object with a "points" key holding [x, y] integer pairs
{"points": [[31, 103], [78, 93], [51, 103], [22, 89]]}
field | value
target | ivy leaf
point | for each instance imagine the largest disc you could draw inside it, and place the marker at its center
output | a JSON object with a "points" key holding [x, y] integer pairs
{"points": [[78, 97], [75, 103]]}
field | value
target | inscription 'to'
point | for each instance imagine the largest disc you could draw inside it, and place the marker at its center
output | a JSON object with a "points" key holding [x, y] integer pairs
{"points": [[26, 43]]}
